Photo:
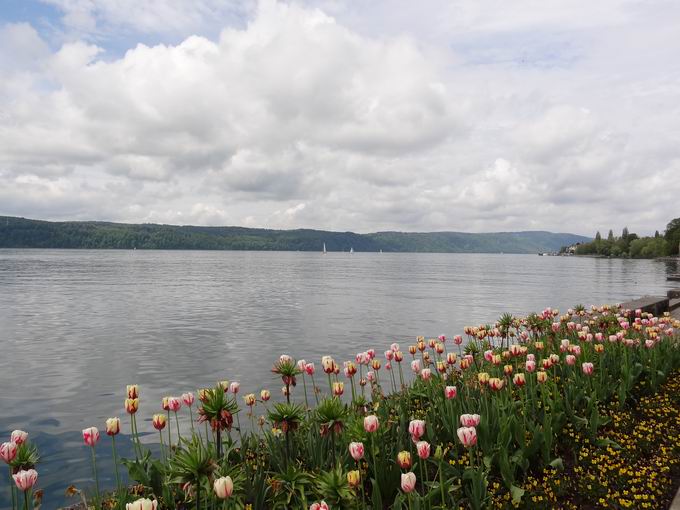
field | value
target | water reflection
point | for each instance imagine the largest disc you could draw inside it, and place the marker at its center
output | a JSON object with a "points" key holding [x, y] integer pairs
{"points": [[80, 325]]}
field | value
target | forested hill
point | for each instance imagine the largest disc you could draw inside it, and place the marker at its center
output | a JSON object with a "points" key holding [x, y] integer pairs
{"points": [[26, 233]]}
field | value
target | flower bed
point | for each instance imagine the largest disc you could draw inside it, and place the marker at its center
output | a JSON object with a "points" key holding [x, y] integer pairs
{"points": [[573, 411]]}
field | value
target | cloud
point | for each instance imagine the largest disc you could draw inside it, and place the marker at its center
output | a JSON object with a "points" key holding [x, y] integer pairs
{"points": [[448, 116]]}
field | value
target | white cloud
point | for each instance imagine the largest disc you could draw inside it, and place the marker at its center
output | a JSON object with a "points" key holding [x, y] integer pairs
{"points": [[450, 116]]}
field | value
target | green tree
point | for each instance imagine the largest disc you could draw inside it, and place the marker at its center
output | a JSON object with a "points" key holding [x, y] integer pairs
{"points": [[598, 236], [672, 235]]}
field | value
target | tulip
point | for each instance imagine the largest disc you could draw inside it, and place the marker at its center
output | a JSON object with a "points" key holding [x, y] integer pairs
{"points": [[328, 364], [412, 350], [250, 399], [25, 479], [496, 384], [91, 436], [284, 359], [371, 423], [570, 359], [265, 395], [482, 377], [356, 450], [394, 347], [519, 380], [450, 392], [203, 393], [530, 366], [415, 366], [389, 354], [300, 364], [457, 339], [319, 506], [465, 364], [469, 420], [159, 421], [423, 449], [112, 426], [404, 459], [353, 478], [370, 375], [408, 482], [488, 355], [131, 405], [132, 391], [416, 428], [497, 359], [309, 369], [541, 376], [426, 374], [224, 487], [451, 358], [338, 388], [587, 368], [142, 504], [19, 437], [538, 346], [234, 387], [224, 385], [375, 364], [188, 399], [554, 359], [8, 451], [467, 436], [507, 369]]}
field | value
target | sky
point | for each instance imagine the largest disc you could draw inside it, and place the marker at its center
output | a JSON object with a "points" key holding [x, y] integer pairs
{"points": [[464, 115]]}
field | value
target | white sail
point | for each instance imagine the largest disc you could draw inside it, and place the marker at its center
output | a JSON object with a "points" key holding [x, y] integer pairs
{"points": [[324, 248]]}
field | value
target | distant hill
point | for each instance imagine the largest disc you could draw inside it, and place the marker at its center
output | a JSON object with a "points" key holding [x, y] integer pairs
{"points": [[26, 233]]}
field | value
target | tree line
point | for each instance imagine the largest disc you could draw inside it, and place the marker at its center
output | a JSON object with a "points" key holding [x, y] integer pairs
{"points": [[630, 245]]}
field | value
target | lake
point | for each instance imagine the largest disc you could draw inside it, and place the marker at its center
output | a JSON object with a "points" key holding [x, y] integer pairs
{"points": [[77, 326]]}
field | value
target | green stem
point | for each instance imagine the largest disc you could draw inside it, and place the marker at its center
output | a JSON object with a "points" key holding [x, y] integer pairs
{"points": [[12, 489], [179, 435], [25, 500], [169, 433], [375, 464], [316, 393], [441, 482], [96, 479], [191, 417], [304, 384], [115, 464], [198, 494]]}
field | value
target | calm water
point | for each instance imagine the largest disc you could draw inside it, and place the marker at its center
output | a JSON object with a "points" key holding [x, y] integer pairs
{"points": [[77, 326]]}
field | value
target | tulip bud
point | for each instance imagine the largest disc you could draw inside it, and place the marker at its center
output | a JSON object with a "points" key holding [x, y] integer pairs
{"points": [[398, 356], [439, 453], [8, 451], [408, 482], [338, 388], [423, 449], [470, 420], [224, 385], [234, 387], [265, 395], [530, 366], [174, 404], [19, 437], [570, 359], [519, 380], [426, 374], [112, 426], [25, 479], [371, 423], [159, 421], [353, 478], [142, 504], [131, 405], [132, 391], [496, 384], [250, 399], [482, 377], [416, 428], [224, 487], [188, 399], [451, 358], [356, 450], [541, 376], [91, 436], [587, 368], [450, 392], [467, 436], [507, 369], [404, 459]]}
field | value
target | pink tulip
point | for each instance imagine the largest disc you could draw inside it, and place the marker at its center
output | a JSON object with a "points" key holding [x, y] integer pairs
{"points": [[188, 399], [371, 353], [599, 337], [19, 437], [570, 359], [370, 375], [467, 436], [174, 403], [309, 369], [450, 392], [587, 368], [469, 420], [319, 506], [415, 366], [389, 354], [388, 365], [301, 365], [394, 347], [25, 480], [224, 487], [8, 451], [488, 355], [531, 357], [371, 423], [91, 436], [416, 428], [555, 327], [356, 450], [284, 359], [423, 449], [530, 366], [649, 344], [408, 482], [426, 374]]}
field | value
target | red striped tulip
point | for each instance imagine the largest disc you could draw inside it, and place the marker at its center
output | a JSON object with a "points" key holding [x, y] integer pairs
{"points": [[457, 339], [224, 487], [375, 364], [398, 356], [131, 405], [338, 388], [496, 384], [469, 420], [467, 436], [174, 404], [530, 366], [515, 349], [165, 403], [421, 345], [404, 459], [322, 505], [587, 368], [519, 380], [599, 348], [370, 375], [91, 436], [389, 354], [371, 423], [412, 349], [328, 364], [441, 338], [394, 347], [284, 359], [8, 451], [450, 392], [132, 391], [234, 387], [371, 353], [426, 374], [488, 355], [507, 369], [408, 482], [439, 348], [188, 399], [309, 369], [497, 359], [356, 450], [554, 359], [415, 366], [301, 365], [250, 399], [416, 428], [224, 385], [441, 367], [203, 393], [451, 358], [265, 395], [159, 421], [482, 377], [25, 479], [541, 376], [112, 426], [423, 449], [464, 364], [142, 504], [19, 437], [538, 346], [570, 359]]}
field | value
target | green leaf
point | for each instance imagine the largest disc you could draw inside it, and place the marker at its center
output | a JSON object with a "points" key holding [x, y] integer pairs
{"points": [[517, 493], [557, 463]]}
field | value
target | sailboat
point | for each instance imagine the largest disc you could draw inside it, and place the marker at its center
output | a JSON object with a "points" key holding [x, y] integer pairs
{"points": [[324, 249], [351, 250]]}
